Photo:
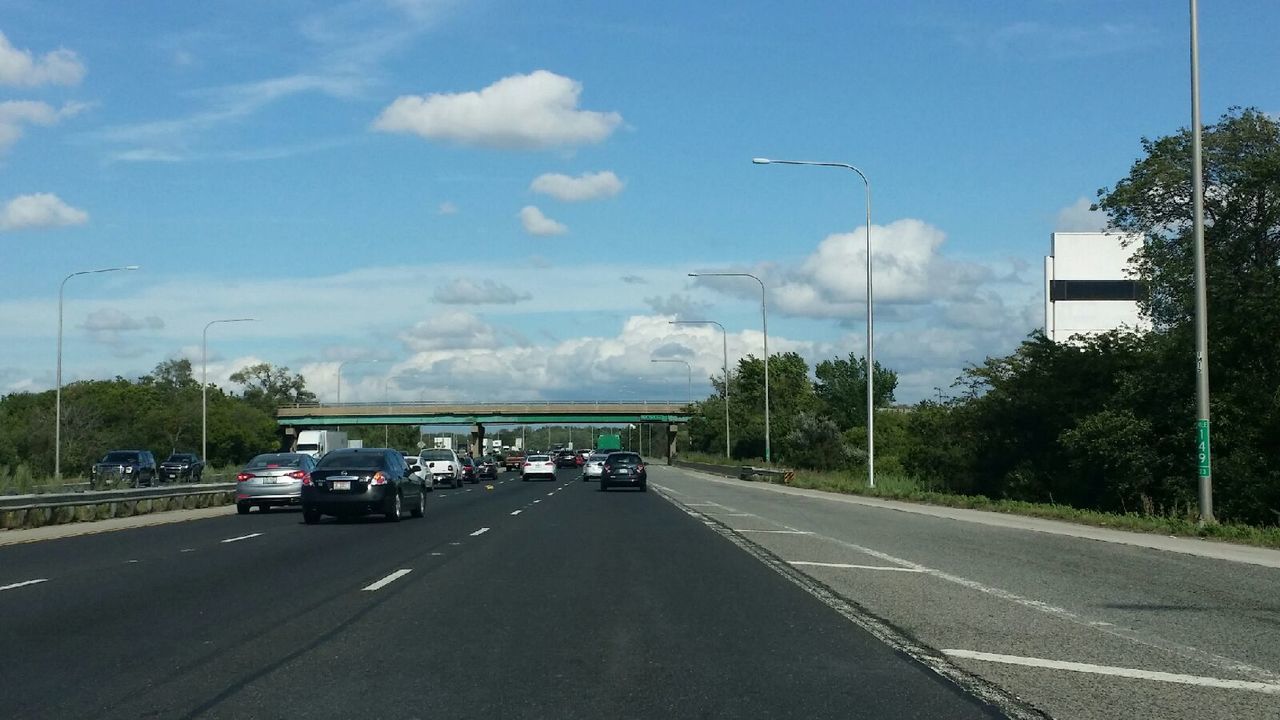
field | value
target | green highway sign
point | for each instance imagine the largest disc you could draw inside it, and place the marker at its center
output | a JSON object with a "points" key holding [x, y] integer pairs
{"points": [[1202, 446]]}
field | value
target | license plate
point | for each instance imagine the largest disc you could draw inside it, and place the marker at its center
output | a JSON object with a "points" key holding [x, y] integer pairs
{"points": [[273, 481], [341, 484]]}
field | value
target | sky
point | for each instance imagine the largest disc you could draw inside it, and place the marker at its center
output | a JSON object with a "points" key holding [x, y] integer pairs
{"points": [[496, 200]]}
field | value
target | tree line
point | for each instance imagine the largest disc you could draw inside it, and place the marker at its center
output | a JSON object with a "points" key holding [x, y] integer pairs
{"points": [[1104, 422], [159, 411]]}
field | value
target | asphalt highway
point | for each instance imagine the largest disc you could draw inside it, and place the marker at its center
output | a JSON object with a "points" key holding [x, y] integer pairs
{"points": [[528, 600]]}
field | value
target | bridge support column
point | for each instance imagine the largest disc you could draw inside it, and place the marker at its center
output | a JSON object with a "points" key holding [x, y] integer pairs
{"points": [[673, 432], [477, 441]]}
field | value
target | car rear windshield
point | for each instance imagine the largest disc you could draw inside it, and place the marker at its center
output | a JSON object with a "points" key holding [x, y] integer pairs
{"points": [[274, 460], [352, 461], [539, 458], [119, 457], [437, 455], [624, 459]]}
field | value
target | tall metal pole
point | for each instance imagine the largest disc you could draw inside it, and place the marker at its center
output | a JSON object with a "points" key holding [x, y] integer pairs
{"points": [[725, 342], [57, 403], [340, 366], [871, 363], [204, 383], [764, 323], [1202, 312]]}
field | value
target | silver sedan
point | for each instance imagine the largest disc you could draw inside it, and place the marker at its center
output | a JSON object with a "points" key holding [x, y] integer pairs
{"points": [[594, 466], [273, 479]]}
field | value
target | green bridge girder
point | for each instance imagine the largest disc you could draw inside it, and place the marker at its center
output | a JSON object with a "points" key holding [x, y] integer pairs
{"points": [[515, 419]]}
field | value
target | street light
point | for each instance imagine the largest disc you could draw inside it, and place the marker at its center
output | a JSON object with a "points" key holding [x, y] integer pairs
{"points": [[1202, 314], [724, 336], [871, 364], [687, 367], [204, 383], [57, 421], [764, 321], [340, 366]]}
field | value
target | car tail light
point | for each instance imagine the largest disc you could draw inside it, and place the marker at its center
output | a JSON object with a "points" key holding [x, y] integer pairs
{"points": [[241, 477], [640, 467], [302, 475], [528, 464], [379, 478]]}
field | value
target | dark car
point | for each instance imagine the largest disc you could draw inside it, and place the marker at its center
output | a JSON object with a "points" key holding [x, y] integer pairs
{"points": [[624, 468], [567, 459], [487, 469], [180, 467], [136, 468], [361, 481], [469, 473]]}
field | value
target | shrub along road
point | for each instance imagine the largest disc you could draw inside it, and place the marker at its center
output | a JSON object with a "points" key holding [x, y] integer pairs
{"points": [[539, 599]]}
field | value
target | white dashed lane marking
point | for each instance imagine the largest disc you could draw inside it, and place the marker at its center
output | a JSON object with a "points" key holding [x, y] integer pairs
{"points": [[848, 566], [387, 580], [242, 537], [24, 583], [515, 512], [481, 531]]}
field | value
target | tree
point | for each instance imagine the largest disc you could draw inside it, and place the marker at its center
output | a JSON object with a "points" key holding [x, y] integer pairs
{"points": [[270, 387], [842, 388]]}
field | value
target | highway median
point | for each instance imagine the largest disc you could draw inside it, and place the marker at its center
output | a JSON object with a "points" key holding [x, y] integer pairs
{"points": [[32, 511]]}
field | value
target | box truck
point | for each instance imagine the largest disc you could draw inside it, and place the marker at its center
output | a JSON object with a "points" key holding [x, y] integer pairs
{"points": [[318, 442]]}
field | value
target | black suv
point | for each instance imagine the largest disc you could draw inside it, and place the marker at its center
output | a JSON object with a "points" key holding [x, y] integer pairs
{"points": [[182, 466], [360, 481], [624, 468], [567, 458], [125, 468]]}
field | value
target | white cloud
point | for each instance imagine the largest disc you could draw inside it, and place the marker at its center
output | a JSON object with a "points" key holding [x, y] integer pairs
{"points": [[39, 210], [535, 223], [109, 326], [454, 330], [587, 186], [447, 208], [523, 112], [465, 291], [14, 114], [21, 68], [680, 306], [1077, 217]]}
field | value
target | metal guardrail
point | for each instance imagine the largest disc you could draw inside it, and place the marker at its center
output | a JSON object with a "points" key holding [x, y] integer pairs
{"points": [[742, 472], [93, 497]]}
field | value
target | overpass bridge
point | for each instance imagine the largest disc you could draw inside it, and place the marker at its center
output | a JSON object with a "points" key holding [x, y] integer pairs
{"points": [[477, 415]]}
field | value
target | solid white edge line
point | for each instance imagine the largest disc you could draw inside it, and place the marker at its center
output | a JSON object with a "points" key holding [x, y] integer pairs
{"points": [[1013, 706], [515, 512], [387, 580], [849, 566], [481, 531], [1131, 673], [24, 583], [775, 532], [242, 537]]}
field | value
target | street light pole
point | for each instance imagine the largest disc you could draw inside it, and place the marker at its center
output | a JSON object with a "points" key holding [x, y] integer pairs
{"points": [[724, 336], [1202, 314], [871, 364], [204, 383], [764, 323], [687, 367], [57, 412], [340, 366]]}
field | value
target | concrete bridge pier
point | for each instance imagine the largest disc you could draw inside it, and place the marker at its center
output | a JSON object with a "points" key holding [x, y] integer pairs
{"points": [[477, 441], [673, 432]]}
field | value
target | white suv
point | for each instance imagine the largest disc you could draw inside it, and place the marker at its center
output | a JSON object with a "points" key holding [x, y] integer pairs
{"points": [[441, 467]]}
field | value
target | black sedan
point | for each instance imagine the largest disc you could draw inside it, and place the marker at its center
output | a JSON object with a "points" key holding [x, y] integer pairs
{"points": [[624, 469], [361, 481], [487, 469]]}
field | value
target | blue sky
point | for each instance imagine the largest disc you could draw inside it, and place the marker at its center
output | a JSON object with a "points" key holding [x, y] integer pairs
{"points": [[458, 188]]}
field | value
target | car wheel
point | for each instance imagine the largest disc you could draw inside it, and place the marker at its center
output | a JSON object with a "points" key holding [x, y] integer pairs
{"points": [[310, 516], [421, 508], [242, 508], [393, 512], [263, 508], [603, 485], [644, 487]]}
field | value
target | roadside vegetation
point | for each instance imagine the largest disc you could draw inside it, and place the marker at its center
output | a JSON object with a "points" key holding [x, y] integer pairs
{"points": [[1100, 430]]}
